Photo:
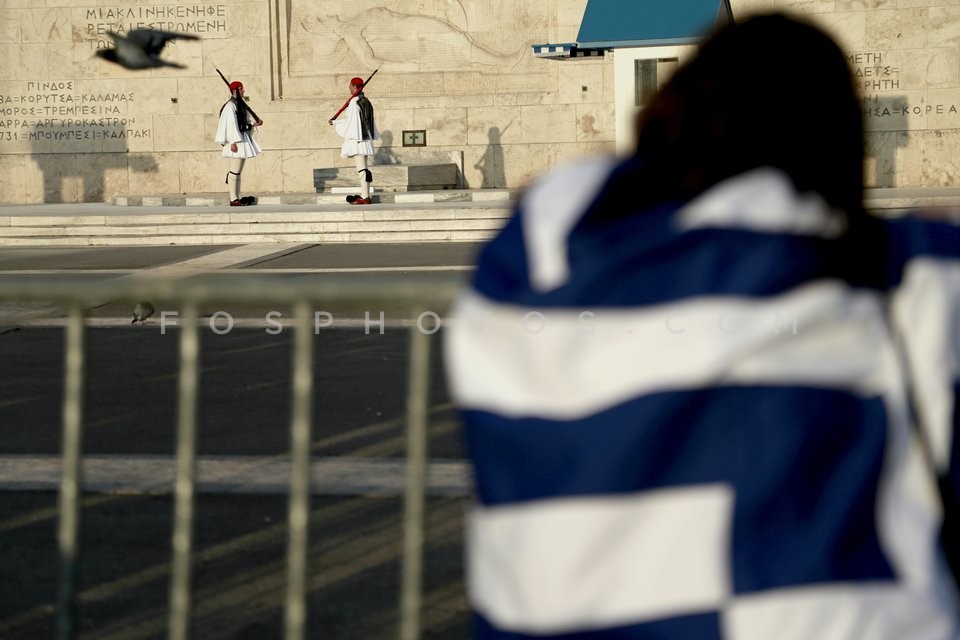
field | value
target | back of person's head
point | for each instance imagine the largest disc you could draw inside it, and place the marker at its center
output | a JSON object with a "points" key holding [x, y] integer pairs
{"points": [[769, 91]]}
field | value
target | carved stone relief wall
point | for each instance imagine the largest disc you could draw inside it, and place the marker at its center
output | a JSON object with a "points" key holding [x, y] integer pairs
{"points": [[422, 47], [76, 128]]}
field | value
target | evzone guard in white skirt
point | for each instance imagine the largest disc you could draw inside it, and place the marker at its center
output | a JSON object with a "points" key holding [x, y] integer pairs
{"points": [[235, 134]]}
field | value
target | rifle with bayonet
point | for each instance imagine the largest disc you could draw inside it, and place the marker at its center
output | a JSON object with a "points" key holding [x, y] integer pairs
{"points": [[227, 82]]}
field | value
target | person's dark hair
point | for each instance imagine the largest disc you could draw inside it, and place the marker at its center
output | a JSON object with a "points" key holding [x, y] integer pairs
{"points": [[769, 91]]}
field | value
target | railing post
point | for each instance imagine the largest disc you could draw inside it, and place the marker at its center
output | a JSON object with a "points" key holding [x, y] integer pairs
{"points": [[71, 481], [180, 581], [200, 289], [299, 510], [417, 407]]}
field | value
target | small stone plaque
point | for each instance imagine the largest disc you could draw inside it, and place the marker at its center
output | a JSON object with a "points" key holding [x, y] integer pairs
{"points": [[415, 138]]}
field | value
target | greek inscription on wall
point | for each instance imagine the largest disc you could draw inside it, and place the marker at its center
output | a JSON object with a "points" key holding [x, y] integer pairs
{"points": [[872, 73], [876, 109], [58, 111], [200, 19]]}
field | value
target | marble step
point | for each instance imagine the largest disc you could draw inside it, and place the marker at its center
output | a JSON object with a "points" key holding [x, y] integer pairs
{"points": [[434, 222]]}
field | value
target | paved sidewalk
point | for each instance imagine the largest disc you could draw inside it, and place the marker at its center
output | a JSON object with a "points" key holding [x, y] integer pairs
{"points": [[875, 198]]}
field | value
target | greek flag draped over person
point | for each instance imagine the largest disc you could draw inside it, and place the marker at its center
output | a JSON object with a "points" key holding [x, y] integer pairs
{"points": [[709, 420]]}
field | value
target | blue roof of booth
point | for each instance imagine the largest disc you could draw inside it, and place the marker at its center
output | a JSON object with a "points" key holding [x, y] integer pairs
{"points": [[639, 23]]}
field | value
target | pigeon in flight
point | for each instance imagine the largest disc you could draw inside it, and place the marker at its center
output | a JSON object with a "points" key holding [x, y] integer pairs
{"points": [[140, 48]]}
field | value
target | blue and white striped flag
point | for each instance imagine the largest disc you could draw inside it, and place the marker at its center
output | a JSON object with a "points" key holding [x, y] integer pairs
{"points": [[710, 420]]}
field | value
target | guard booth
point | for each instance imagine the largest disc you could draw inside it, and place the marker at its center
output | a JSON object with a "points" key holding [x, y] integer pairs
{"points": [[648, 40]]}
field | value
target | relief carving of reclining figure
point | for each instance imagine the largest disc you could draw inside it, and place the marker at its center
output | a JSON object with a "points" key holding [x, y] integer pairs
{"points": [[408, 42]]}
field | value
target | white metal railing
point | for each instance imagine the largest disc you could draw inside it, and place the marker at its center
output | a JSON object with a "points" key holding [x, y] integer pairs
{"points": [[416, 292]]}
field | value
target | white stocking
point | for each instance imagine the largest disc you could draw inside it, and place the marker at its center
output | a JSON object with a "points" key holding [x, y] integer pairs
{"points": [[361, 161], [233, 177]]}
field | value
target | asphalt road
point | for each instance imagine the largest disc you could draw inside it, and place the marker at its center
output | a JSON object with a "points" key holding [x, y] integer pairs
{"points": [[131, 391], [130, 413]]}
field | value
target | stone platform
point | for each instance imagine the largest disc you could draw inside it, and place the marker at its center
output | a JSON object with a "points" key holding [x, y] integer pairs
{"points": [[400, 170], [392, 177]]}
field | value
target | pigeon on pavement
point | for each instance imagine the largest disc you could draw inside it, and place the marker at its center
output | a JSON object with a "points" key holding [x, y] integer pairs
{"points": [[140, 48], [142, 311]]}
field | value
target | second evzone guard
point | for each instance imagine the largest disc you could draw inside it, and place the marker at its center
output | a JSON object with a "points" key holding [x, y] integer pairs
{"points": [[358, 130]]}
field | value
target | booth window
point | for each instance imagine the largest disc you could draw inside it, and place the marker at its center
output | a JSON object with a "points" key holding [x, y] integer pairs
{"points": [[649, 76]]}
